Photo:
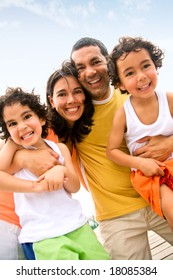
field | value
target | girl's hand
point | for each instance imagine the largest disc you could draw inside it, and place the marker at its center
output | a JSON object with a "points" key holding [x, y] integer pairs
{"points": [[53, 179]]}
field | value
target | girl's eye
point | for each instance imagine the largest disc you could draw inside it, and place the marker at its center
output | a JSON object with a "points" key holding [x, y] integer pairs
{"points": [[27, 116], [11, 124]]}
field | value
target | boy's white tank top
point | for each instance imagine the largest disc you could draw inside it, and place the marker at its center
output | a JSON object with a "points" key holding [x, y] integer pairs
{"points": [[48, 214], [136, 129]]}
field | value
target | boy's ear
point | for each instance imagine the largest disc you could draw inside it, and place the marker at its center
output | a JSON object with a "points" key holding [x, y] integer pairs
{"points": [[121, 87]]}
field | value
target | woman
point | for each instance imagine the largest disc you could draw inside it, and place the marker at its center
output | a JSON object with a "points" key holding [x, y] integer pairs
{"points": [[69, 104]]}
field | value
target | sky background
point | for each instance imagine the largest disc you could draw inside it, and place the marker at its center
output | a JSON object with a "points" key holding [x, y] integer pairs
{"points": [[37, 35]]}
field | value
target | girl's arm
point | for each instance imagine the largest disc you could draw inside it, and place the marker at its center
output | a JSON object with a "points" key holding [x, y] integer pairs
{"points": [[147, 166], [72, 184], [62, 175]]}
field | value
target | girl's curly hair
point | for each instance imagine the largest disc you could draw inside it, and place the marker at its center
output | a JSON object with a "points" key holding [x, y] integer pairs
{"points": [[18, 95]]}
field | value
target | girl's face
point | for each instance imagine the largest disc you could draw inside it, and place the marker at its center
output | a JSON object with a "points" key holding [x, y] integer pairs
{"points": [[23, 124], [137, 74], [68, 99]]}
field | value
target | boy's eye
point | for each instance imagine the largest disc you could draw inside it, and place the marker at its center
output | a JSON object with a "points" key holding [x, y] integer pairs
{"points": [[146, 65], [129, 74]]}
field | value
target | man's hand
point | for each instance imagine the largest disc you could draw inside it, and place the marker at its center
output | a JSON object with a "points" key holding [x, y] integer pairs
{"points": [[158, 147], [36, 161]]}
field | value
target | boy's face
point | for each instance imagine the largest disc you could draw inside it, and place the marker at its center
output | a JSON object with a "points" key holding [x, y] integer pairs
{"points": [[137, 73], [23, 124], [92, 70]]}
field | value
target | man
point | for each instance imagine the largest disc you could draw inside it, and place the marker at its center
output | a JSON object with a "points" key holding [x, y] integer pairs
{"points": [[124, 216]]}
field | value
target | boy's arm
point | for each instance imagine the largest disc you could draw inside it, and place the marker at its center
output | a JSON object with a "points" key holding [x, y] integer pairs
{"points": [[148, 167]]}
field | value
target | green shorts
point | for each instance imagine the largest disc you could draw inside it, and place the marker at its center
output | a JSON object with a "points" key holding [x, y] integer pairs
{"points": [[81, 244]]}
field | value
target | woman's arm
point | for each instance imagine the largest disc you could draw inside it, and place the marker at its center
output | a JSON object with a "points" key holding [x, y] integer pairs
{"points": [[36, 161], [7, 153], [9, 183]]}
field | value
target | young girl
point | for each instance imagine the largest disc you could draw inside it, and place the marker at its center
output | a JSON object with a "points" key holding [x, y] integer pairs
{"points": [[53, 226], [133, 68]]}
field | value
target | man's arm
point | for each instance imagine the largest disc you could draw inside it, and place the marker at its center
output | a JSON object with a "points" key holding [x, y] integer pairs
{"points": [[158, 147]]}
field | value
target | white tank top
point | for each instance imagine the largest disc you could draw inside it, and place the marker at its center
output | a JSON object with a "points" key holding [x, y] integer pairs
{"points": [[136, 129], [48, 214]]}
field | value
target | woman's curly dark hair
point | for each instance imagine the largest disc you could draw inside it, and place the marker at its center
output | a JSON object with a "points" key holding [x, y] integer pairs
{"points": [[127, 45], [17, 95], [59, 125]]}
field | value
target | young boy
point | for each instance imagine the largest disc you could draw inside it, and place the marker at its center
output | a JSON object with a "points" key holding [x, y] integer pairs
{"points": [[133, 68]]}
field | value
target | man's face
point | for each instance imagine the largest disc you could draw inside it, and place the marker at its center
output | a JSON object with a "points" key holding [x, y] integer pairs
{"points": [[92, 71]]}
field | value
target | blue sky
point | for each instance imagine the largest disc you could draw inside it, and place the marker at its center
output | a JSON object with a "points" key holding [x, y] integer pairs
{"points": [[37, 35]]}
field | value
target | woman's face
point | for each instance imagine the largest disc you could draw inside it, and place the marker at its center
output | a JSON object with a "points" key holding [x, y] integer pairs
{"points": [[68, 99]]}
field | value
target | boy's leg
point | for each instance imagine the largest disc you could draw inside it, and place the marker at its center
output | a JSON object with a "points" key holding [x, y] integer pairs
{"points": [[167, 203]]}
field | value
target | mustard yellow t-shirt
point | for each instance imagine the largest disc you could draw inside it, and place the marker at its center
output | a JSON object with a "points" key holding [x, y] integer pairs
{"points": [[109, 183]]}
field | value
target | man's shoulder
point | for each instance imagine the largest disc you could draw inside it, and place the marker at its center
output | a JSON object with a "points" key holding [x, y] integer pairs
{"points": [[119, 98]]}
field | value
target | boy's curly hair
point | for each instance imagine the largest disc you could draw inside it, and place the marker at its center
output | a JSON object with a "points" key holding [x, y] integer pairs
{"points": [[18, 95], [127, 45]]}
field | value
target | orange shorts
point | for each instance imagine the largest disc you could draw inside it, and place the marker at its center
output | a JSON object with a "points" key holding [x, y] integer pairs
{"points": [[149, 187]]}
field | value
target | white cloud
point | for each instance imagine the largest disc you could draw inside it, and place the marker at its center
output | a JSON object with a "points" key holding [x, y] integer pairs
{"points": [[135, 4], [55, 10]]}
